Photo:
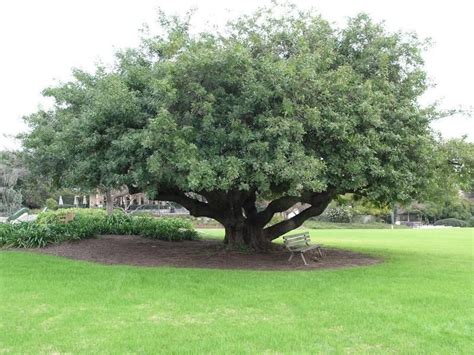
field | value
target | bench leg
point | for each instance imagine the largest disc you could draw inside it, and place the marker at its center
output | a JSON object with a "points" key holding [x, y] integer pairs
{"points": [[291, 257], [320, 251], [304, 260]]}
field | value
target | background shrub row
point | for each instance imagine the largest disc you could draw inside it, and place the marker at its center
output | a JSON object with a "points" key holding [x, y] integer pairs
{"points": [[452, 222], [88, 223]]}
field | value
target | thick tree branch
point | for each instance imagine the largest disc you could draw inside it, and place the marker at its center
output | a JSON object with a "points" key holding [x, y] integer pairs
{"points": [[319, 203], [196, 208], [249, 205], [279, 205]]}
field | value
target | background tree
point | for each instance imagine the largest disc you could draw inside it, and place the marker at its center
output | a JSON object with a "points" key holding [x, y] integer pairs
{"points": [[10, 172], [281, 108], [453, 181], [82, 141], [455, 165], [20, 186]]}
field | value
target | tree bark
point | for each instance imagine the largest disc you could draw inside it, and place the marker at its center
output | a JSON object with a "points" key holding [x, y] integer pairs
{"points": [[109, 203], [242, 235], [245, 227], [319, 202]]}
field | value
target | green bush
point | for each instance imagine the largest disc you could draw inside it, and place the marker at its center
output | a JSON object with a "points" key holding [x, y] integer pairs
{"points": [[32, 235], [49, 217], [23, 235], [340, 214], [91, 222], [172, 229], [470, 222], [51, 204], [452, 222]]}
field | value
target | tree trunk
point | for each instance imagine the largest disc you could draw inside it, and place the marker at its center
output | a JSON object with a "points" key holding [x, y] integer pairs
{"points": [[109, 202], [245, 226], [240, 235]]}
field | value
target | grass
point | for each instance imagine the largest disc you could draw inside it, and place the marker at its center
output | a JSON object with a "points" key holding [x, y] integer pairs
{"points": [[420, 300]]}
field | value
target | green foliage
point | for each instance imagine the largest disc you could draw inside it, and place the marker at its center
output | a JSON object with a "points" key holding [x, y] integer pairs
{"points": [[452, 222], [280, 105], [173, 229], [446, 206], [32, 235], [88, 223], [22, 235], [35, 190], [470, 222], [366, 207], [10, 172], [288, 103], [50, 217], [456, 208], [458, 156], [453, 164], [51, 204], [24, 187], [337, 214]]}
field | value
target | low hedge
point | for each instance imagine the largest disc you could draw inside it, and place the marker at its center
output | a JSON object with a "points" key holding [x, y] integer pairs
{"points": [[470, 222], [451, 222], [88, 223]]}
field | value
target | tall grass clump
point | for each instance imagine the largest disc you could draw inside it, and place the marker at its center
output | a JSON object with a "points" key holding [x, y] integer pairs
{"points": [[87, 223]]}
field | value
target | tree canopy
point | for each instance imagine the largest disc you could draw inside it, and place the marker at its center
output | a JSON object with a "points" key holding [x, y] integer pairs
{"points": [[284, 108]]}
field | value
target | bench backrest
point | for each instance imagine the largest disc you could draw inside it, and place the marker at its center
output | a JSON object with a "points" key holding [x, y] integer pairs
{"points": [[296, 241], [68, 217]]}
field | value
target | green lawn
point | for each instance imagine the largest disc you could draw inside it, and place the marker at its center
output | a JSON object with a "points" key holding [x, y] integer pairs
{"points": [[420, 300]]}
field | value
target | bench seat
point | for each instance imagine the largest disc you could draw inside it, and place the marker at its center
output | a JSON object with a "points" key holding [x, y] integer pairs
{"points": [[299, 243]]}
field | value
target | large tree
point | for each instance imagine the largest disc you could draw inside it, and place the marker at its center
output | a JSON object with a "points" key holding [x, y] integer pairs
{"points": [[279, 108]]}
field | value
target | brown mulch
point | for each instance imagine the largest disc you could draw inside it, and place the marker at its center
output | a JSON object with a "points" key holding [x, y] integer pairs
{"points": [[207, 253]]}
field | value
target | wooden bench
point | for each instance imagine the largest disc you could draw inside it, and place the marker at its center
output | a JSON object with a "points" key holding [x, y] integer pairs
{"points": [[68, 217], [299, 243]]}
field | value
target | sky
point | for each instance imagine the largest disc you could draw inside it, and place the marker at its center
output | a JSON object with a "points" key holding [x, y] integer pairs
{"points": [[41, 41]]}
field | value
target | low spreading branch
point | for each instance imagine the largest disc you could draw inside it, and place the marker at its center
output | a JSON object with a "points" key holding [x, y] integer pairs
{"points": [[319, 203], [196, 208], [279, 205]]}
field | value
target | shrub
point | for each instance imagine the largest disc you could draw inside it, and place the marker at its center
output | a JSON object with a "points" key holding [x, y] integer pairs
{"points": [[342, 214], [88, 223], [470, 222], [452, 222], [172, 229], [51, 204], [49, 217], [5, 232], [24, 235]]}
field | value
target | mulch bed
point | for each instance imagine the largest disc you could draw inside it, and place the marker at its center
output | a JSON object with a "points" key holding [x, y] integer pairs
{"points": [[206, 253]]}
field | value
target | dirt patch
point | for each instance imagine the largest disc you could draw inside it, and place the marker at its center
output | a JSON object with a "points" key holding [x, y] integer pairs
{"points": [[206, 253]]}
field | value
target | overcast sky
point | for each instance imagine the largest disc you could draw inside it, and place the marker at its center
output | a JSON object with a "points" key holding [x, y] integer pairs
{"points": [[42, 40]]}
